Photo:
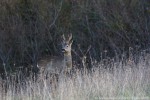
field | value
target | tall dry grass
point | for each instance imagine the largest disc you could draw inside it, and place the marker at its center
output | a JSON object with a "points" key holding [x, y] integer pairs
{"points": [[127, 80]]}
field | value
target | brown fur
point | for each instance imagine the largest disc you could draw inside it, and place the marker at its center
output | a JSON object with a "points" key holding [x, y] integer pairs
{"points": [[58, 65]]}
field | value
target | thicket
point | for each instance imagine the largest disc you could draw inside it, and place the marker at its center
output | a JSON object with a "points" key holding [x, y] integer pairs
{"points": [[30, 29]]}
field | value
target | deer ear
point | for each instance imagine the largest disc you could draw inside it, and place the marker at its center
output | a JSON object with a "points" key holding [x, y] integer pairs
{"points": [[70, 42], [70, 36], [63, 37]]}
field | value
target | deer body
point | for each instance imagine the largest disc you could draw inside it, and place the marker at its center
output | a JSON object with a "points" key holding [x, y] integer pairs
{"points": [[58, 64]]}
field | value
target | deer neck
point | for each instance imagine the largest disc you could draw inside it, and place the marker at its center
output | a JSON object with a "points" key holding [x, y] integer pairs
{"points": [[67, 56]]}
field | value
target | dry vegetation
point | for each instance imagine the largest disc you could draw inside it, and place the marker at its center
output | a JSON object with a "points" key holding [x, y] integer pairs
{"points": [[31, 29], [126, 81], [115, 31]]}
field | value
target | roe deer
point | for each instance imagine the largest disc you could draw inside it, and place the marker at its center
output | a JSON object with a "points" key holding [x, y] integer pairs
{"points": [[56, 65]]}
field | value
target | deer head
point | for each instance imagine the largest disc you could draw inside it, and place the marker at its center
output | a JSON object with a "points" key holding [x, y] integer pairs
{"points": [[66, 43]]}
